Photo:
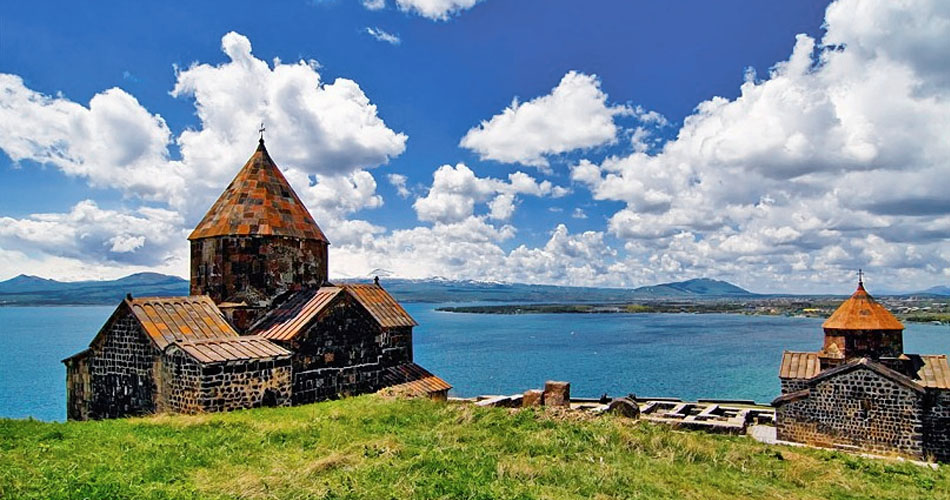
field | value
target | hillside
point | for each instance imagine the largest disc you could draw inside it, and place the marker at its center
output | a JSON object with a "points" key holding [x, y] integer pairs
{"points": [[443, 290], [31, 290], [372, 448], [700, 287]]}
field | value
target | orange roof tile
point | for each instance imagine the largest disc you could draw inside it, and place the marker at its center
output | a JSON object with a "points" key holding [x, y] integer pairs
{"points": [[934, 372], [799, 365], [250, 347], [294, 314], [412, 379], [862, 312], [259, 201], [173, 319], [381, 305]]}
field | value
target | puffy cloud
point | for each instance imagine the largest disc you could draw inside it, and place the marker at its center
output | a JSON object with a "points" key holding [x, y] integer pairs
{"points": [[383, 36], [325, 137], [87, 233], [809, 171], [114, 142], [575, 115], [471, 249], [437, 10], [319, 128], [456, 190]]}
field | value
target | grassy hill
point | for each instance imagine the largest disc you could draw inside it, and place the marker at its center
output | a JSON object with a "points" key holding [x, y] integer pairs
{"points": [[372, 448]]}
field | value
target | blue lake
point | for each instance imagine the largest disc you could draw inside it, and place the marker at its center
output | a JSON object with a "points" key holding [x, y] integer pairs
{"points": [[680, 355]]}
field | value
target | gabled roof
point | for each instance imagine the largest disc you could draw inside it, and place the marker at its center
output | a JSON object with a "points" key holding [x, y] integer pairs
{"points": [[296, 312], [413, 380], [803, 365], [259, 201], [791, 396], [172, 319], [246, 348], [381, 305], [874, 366], [862, 312]]}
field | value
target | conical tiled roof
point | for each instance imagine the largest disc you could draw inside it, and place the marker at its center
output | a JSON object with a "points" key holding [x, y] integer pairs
{"points": [[259, 201], [862, 312]]}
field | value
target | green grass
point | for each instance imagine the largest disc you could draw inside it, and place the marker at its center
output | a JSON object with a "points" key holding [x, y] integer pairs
{"points": [[369, 447]]}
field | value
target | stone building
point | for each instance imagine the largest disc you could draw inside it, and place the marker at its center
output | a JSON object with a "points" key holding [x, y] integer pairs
{"points": [[263, 326], [862, 392]]}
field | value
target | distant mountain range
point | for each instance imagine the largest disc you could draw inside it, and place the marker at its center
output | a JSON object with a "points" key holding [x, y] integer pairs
{"points": [[31, 290]]}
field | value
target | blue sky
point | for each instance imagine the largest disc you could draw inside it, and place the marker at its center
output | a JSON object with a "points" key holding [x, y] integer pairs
{"points": [[650, 140]]}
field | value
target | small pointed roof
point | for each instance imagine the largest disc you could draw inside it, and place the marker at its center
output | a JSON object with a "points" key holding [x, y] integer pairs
{"points": [[862, 312], [259, 201]]}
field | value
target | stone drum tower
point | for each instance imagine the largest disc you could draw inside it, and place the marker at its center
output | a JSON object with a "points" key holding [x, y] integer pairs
{"points": [[256, 242]]}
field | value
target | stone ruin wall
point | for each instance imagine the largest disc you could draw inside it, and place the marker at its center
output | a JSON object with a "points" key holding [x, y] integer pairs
{"points": [[340, 354], [119, 371], [255, 269], [859, 409], [937, 425]]}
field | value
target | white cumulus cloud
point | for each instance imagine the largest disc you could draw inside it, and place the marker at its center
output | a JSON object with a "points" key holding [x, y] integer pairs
{"points": [[437, 10], [836, 160], [575, 115], [455, 192]]}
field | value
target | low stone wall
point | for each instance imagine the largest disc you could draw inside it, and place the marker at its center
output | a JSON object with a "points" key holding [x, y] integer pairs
{"points": [[860, 410]]}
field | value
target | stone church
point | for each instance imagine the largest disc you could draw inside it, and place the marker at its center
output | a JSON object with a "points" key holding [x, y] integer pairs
{"points": [[262, 326], [862, 392]]}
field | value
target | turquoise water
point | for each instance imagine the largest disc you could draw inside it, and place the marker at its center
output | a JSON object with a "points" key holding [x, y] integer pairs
{"points": [[680, 355]]}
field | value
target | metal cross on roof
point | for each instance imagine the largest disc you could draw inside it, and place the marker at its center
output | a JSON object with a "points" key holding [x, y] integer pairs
{"points": [[261, 130], [860, 276]]}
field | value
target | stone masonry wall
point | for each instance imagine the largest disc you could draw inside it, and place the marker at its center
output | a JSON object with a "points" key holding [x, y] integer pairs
{"points": [[78, 387], [790, 385], [255, 269], [340, 354], [859, 409], [245, 384], [397, 345], [937, 425], [120, 371], [179, 379]]}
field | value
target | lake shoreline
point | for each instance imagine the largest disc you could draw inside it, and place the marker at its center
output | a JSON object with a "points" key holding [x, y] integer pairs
{"points": [[817, 310]]}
